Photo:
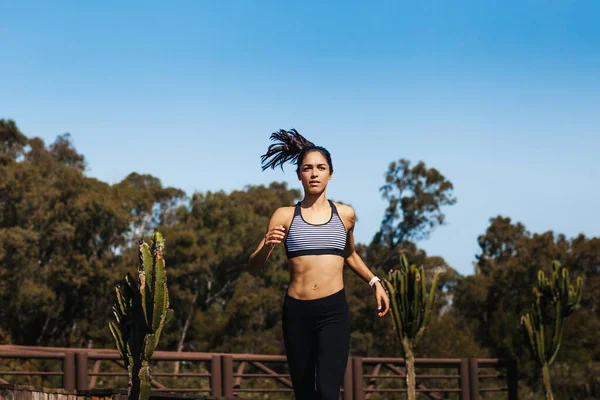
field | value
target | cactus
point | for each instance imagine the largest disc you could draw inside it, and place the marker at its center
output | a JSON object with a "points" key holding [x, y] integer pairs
{"points": [[555, 300], [141, 312], [411, 311]]}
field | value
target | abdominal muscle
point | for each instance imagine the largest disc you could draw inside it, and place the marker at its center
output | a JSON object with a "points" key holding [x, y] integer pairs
{"points": [[313, 277]]}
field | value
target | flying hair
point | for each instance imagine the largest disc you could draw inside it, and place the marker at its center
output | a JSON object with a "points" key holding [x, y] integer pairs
{"points": [[287, 147]]}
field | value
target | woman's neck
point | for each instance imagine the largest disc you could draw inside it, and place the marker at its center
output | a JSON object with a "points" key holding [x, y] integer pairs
{"points": [[316, 202]]}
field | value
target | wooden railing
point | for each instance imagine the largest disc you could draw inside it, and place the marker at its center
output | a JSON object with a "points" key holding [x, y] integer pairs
{"points": [[241, 375]]}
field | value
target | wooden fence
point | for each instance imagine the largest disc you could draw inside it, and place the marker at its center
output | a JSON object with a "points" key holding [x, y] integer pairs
{"points": [[241, 375]]}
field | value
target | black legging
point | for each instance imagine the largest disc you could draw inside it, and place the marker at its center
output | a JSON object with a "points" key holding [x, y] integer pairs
{"points": [[316, 334]]}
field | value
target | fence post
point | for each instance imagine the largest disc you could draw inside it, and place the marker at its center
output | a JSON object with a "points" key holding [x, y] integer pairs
{"points": [[348, 395], [474, 378], [215, 376], [227, 375], [69, 371], [82, 370], [512, 375], [357, 378], [463, 370]]}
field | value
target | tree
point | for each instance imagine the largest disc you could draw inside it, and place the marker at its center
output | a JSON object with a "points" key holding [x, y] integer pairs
{"points": [[59, 235], [153, 204], [210, 243], [492, 300], [12, 142], [415, 198], [499, 244]]}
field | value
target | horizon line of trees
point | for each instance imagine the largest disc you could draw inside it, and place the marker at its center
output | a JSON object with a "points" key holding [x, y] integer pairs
{"points": [[67, 239]]}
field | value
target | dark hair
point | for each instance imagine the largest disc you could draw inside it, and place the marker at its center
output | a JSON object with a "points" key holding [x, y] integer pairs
{"points": [[290, 146]]}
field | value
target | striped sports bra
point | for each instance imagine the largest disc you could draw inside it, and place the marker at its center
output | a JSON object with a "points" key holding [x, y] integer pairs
{"points": [[304, 238]]}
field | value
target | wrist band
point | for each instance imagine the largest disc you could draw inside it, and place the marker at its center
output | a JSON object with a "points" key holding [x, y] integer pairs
{"points": [[373, 280]]}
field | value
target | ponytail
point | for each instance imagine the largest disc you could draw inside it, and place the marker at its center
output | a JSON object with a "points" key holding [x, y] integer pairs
{"points": [[290, 146]]}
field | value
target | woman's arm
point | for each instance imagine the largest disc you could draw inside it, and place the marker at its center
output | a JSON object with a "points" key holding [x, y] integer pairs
{"points": [[356, 263], [275, 235]]}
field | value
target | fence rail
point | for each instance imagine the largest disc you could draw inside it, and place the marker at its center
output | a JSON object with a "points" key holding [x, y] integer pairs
{"points": [[365, 377]]}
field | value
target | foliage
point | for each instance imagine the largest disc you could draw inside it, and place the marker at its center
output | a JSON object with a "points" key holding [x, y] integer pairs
{"points": [[555, 300], [415, 197], [492, 300], [61, 239], [411, 310], [141, 312], [66, 239]]}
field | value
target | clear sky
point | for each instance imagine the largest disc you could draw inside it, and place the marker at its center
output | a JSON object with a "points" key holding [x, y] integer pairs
{"points": [[502, 97]]}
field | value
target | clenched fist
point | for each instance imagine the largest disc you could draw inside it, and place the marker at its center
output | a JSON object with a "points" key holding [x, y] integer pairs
{"points": [[275, 236]]}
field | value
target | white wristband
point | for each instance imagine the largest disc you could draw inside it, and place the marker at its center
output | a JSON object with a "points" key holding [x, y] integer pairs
{"points": [[373, 280]]}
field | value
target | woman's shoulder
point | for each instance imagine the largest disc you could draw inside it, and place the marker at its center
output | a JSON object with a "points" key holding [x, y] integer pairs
{"points": [[284, 213], [345, 210]]}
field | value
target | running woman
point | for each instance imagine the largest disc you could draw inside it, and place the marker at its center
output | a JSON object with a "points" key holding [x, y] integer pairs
{"points": [[318, 238]]}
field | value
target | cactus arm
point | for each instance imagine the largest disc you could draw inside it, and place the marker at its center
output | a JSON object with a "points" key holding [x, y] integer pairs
{"points": [[146, 261], [120, 300], [541, 336], [415, 304], [146, 280], [145, 380], [559, 342], [406, 310], [146, 296], [577, 296], [526, 321], [429, 305], [158, 242], [424, 301], [117, 314], [118, 336], [403, 305], [163, 322], [160, 293], [149, 346], [395, 308], [558, 330], [156, 248], [432, 296]]}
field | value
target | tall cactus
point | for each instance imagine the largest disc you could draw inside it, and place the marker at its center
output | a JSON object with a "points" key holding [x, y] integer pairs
{"points": [[411, 311], [555, 300], [141, 311]]}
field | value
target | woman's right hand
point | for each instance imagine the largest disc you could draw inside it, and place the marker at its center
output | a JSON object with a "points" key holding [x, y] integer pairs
{"points": [[275, 236]]}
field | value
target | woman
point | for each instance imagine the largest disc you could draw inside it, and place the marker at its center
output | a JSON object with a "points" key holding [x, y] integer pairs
{"points": [[318, 238]]}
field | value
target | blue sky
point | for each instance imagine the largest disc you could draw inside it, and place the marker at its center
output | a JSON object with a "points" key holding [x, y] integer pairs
{"points": [[502, 97]]}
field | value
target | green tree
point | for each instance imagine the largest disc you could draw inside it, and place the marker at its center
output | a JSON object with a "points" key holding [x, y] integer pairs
{"points": [[492, 300], [60, 232], [12, 142], [415, 196], [209, 246]]}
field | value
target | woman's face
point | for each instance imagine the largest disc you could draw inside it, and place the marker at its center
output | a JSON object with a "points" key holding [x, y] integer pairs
{"points": [[314, 172]]}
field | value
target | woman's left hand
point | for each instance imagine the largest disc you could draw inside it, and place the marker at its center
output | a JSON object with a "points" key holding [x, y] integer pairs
{"points": [[383, 302]]}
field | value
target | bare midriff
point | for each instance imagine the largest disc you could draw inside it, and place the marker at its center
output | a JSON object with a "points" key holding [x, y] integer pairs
{"points": [[315, 276]]}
